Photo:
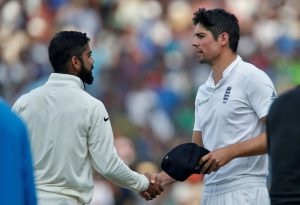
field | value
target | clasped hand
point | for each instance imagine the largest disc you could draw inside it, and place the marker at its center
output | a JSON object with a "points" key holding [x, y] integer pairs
{"points": [[155, 187]]}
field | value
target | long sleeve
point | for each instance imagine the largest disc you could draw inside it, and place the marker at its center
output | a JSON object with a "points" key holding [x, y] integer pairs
{"points": [[105, 157]]}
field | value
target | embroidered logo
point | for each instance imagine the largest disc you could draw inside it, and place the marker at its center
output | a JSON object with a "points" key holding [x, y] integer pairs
{"points": [[226, 95], [273, 96], [202, 102]]}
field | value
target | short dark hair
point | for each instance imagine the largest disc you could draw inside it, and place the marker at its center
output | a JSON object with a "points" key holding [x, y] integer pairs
{"points": [[63, 46], [218, 21]]}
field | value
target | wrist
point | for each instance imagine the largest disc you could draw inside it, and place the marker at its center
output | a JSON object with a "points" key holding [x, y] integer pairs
{"points": [[166, 179], [233, 151]]}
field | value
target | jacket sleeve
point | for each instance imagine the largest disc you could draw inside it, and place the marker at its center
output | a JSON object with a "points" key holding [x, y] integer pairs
{"points": [[104, 155]]}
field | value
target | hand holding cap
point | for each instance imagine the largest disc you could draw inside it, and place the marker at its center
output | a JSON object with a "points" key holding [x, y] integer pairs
{"points": [[183, 161]]}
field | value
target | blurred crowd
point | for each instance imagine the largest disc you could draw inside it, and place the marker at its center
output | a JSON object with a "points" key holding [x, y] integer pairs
{"points": [[145, 70]]}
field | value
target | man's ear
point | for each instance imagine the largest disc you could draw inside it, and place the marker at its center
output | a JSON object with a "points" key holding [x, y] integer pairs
{"points": [[75, 64], [224, 38]]}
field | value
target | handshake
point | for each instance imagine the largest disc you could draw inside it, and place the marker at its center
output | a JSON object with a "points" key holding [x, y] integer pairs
{"points": [[155, 188], [177, 165]]}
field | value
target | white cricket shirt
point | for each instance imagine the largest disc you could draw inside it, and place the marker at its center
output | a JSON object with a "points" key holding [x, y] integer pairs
{"points": [[230, 112], [70, 132]]}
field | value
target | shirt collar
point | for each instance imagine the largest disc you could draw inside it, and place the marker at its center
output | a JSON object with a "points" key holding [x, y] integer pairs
{"points": [[226, 73], [65, 80]]}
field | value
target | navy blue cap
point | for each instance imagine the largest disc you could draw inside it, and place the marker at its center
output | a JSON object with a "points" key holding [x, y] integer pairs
{"points": [[183, 161]]}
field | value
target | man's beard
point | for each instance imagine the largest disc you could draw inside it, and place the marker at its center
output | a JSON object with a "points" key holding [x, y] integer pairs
{"points": [[85, 75], [202, 61]]}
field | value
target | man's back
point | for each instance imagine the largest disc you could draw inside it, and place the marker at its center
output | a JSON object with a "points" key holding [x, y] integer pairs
{"points": [[70, 134], [71, 131], [58, 115]]}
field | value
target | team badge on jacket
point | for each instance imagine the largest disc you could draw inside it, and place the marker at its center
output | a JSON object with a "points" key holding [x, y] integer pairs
{"points": [[227, 94]]}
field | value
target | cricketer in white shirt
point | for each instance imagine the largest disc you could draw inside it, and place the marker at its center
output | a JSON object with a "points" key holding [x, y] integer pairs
{"points": [[70, 133], [230, 112]]}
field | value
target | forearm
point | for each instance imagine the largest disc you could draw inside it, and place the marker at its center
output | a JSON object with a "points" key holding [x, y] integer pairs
{"points": [[165, 179], [251, 147], [121, 175], [197, 138]]}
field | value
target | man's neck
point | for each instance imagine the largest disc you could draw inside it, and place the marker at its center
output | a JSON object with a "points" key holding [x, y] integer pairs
{"points": [[221, 64]]}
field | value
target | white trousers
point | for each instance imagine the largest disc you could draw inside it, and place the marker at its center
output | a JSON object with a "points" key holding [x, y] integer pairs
{"points": [[245, 196], [242, 193]]}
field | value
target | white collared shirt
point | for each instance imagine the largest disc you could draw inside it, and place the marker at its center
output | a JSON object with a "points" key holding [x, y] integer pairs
{"points": [[230, 112], [70, 132]]}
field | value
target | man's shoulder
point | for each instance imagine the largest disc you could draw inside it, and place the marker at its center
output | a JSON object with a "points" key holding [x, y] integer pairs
{"points": [[89, 98], [23, 98], [252, 74], [248, 68], [32, 92]]}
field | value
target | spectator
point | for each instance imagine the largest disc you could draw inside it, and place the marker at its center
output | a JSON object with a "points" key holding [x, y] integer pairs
{"points": [[16, 173]]}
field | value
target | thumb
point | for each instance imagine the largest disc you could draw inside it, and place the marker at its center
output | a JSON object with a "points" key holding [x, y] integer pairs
{"points": [[154, 178]]}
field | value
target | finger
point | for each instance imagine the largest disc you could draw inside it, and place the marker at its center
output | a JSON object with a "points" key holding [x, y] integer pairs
{"points": [[158, 186], [205, 167], [161, 188], [211, 169], [216, 169], [153, 178], [153, 196], [158, 191], [159, 183], [148, 197], [203, 159], [145, 195]]}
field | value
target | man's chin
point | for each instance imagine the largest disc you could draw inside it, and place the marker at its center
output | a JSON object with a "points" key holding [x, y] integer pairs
{"points": [[89, 81], [202, 61]]}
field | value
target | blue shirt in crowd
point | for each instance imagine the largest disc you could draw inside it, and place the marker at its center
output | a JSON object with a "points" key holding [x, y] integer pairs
{"points": [[16, 172]]}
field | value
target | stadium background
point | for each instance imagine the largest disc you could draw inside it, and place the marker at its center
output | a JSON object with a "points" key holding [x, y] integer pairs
{"points": [[145, 72]]}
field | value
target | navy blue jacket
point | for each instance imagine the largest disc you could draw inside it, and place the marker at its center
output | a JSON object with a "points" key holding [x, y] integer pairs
{"points": [[283, 129]]}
